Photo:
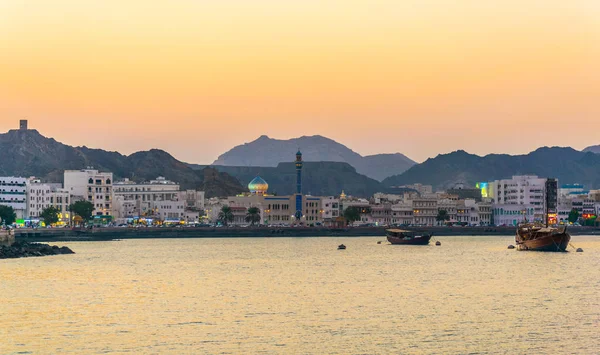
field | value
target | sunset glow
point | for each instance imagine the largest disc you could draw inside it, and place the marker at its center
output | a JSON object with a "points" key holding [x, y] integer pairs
{"points": [[195, 78]]}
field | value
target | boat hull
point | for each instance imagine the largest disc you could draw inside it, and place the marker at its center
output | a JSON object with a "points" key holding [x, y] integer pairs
{"points": [[550, 242], [418, 240]]}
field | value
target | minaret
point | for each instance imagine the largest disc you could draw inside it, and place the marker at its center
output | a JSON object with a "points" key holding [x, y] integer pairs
{"points": [[299, 164]]}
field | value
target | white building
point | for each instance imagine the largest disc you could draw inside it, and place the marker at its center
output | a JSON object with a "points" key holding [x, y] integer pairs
{"points": [[38, 197], [194, 200], [331, 208], [61, 199], [42, 195], [526, 190], [13, 193], [169, 210], [160, 189], [93, 186], [159, 198], [513, 214], [402, 213]]}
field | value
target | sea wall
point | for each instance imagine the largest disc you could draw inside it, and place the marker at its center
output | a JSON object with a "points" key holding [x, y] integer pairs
{"points": [[48, 235]]}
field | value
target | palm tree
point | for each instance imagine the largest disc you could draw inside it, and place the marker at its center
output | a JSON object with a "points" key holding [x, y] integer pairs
{"points": [[253, 215], [226, 215], [442, 216]]}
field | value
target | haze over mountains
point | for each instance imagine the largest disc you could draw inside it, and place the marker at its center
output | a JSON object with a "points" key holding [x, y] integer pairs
{"points": [[266, 151]]}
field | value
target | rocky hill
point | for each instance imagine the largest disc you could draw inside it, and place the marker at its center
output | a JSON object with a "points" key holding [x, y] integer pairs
{"points": [[266, 151], [446, 170], [28, 153]]}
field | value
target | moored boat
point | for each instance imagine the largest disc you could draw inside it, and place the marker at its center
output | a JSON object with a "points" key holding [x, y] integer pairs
{"points": [[399, 236], [544, 237], [539, 238]]}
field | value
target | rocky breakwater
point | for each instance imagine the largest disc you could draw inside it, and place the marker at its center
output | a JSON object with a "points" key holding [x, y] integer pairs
{"points": [[26, 249]]}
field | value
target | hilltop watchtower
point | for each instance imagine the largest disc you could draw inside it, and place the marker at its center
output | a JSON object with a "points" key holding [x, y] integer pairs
{"points": [[23, 125]]}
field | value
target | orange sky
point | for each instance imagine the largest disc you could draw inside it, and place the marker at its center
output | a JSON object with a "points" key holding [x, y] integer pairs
{"points": [[195, 77]]}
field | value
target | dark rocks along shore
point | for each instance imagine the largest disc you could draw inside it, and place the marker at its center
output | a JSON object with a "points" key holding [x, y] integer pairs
{"points": [[26, 249]]}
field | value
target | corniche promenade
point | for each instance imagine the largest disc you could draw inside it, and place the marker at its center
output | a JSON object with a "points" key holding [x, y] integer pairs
{"points": [[100, 234]]}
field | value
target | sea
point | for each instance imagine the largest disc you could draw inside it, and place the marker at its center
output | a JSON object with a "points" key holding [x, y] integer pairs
{"points": [[471, 295]]}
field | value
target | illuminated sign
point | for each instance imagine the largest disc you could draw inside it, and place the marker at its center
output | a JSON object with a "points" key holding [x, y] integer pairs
{"points": [[484, 187]]}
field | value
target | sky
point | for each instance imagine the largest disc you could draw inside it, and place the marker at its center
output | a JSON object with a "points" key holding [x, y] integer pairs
{"points": [[196, 78]]}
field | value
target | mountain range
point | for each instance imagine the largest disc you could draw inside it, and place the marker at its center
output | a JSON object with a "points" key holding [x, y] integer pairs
{"points": [[265, 152], [446, 170], [28, 153]]}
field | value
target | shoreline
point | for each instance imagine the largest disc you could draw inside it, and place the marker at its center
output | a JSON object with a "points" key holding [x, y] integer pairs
{"points": [[107, 234]]}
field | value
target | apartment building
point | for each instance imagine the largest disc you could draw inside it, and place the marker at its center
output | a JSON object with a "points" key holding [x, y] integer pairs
{"points": [[13, 193], [93, 186]]}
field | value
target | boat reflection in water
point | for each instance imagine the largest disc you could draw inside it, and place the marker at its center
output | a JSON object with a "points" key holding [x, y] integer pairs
{"points": [[399, 236], [539, 238]]}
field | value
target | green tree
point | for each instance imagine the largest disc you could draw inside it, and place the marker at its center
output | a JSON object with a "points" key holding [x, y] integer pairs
{"points": [[7, 215], [442, 216], [352, 214], [253, 215], [50, 215], [226, 215], [83, 209], [573, 216]]}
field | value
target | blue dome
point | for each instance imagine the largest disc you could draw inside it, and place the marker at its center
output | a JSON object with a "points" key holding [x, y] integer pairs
{"points": [[258, 186], [299, 153]]}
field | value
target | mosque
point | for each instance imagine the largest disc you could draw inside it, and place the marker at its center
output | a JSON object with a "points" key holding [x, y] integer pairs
{"points": [[296, 209]]}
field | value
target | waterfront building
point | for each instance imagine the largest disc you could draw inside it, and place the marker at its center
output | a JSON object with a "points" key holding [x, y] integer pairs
{"points": [[449, 203], [331, 209], [41, 195], [13, 193], [92, 186], [159, 199], [484, 210], [564, 209], [402, 213], [585, 206], [425, 211], [382, 215], [159, 189], [525, 190], [513, 214]]}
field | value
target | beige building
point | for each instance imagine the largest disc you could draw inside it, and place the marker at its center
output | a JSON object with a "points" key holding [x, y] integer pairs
{"points": [[43, 195], [93, 186], [425, 211]]}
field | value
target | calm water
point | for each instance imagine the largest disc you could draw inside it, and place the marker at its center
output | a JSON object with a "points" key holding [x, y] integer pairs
{"points": [[301, 295]]}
